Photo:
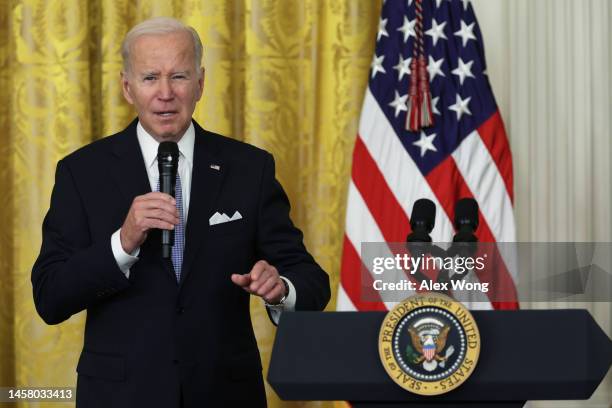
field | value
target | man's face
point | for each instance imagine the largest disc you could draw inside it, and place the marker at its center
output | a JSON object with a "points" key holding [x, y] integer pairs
{"points": [[163, 84]]}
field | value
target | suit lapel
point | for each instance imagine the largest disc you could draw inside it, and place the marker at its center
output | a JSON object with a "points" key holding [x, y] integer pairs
{"points": [[130, 175], [128, 171], [207, 179]]}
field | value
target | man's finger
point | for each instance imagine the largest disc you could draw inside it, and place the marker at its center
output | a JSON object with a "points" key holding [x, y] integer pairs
{"points": [[241, 280], [160, 214], [258, 269], [267, 285], [158, 224], [275, 294], [156, 195], [157, 205], [262, 278]]}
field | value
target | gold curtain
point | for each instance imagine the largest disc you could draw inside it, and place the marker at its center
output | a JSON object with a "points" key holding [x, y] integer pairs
{"points": [[286, 75]]}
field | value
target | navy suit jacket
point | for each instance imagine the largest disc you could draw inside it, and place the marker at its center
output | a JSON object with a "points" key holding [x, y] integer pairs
{"points": [[150, 341]]}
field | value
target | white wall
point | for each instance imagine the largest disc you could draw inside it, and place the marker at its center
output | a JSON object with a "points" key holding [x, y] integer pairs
{"points": [[550, 62]]}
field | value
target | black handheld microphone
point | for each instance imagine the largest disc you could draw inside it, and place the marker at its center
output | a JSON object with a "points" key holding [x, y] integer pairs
{"points": [[422, 220], [167, 162], [466, 220]]}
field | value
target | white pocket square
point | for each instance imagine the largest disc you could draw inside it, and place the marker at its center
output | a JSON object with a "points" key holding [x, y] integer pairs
{"points": [[220, 218]]}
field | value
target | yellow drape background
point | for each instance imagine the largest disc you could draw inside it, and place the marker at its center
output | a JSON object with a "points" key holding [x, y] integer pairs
{"points": [[286, 75]]}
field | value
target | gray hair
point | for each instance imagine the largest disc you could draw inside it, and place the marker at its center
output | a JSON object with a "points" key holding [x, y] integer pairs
{"points": [[160, 25]]}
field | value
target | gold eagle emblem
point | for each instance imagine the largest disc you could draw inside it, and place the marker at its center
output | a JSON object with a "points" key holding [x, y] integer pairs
{"points": [[419, 341]]}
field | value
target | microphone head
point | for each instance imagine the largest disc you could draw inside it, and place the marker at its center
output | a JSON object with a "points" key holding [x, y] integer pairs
{"points": [[167, 158], [423, 215], [466, 214], [167, 149]]}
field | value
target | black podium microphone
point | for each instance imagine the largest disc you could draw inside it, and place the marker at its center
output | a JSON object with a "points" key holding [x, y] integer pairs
{"points": [[422, 220], [466, 220], [167, 162], [419, 242]]}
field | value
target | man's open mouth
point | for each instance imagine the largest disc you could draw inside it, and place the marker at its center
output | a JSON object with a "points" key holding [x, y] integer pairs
{"points": [[165, 114]]}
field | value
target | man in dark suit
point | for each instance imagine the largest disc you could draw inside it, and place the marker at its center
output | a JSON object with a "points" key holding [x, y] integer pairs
{"points": [[160, 332]]}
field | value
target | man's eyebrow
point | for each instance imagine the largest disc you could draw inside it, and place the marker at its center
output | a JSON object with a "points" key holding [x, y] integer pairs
{"points": [[148, 73]]}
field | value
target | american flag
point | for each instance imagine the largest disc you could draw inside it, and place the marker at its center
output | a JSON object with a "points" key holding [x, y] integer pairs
{"points": [[464, 154]]}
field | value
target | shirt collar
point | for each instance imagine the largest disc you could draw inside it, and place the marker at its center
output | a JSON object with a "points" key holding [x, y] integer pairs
{"points": [[149, 146]]}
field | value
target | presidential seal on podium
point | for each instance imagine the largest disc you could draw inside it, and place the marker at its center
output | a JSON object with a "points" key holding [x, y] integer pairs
{"points": [[429, 344]]}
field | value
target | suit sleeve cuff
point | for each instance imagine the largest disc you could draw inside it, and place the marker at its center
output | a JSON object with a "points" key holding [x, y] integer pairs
{"points": [[287, 306], [123, 259]]}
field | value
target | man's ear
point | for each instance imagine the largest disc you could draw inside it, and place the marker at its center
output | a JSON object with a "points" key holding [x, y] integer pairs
{"points": [[125, 86], [201, 83]]}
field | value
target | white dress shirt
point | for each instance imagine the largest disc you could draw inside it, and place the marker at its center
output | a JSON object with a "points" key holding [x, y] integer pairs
{"points": [[148, 147]]}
